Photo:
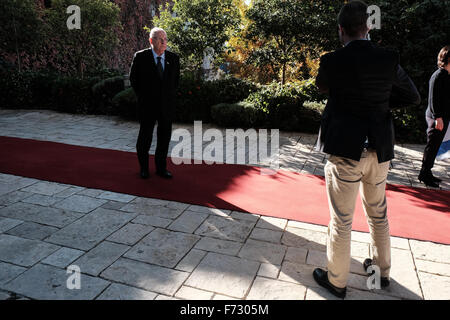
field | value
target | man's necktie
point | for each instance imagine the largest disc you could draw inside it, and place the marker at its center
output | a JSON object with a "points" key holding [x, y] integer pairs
{"points": [[159, 67]]}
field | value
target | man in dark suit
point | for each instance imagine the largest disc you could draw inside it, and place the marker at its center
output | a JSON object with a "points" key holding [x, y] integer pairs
{"points": [[154, 76], [363, 83]]}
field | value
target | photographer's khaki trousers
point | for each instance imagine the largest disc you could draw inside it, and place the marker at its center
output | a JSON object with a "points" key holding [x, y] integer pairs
{"points": [[344, 177]]}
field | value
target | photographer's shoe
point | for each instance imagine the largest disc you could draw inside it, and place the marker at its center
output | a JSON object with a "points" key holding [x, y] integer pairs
{"points": [[383, 281], [321, 278]]}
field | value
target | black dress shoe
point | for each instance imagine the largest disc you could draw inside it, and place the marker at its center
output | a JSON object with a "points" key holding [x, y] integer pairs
{"points": [[164, 174], [321, 278], [383, 281], [144, 174], [427, 178]]}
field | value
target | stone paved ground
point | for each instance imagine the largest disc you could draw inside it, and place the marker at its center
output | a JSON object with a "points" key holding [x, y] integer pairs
{"points": [[129, 247]]}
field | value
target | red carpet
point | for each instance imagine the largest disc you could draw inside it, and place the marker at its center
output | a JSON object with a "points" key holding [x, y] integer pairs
{"points": [[414, 213]]}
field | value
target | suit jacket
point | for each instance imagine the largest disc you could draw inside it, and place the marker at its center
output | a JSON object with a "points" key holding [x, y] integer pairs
{"points": [[156, 97], [439, 95], [363, 82]]}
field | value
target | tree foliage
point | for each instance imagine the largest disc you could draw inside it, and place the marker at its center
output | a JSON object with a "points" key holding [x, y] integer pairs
{"points": [[86, 48], [197, 25], [285, 34], [417, 30], [21, 27]]}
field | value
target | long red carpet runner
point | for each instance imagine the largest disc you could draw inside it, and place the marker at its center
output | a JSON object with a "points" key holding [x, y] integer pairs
{"points": [[414, 213]]}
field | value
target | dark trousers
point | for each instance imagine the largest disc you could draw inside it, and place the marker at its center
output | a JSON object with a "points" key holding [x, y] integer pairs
{"points": [[144, 141], [434, 141]]}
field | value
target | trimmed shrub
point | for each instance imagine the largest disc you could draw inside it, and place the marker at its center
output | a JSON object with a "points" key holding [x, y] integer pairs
{"points": [[237, 115], [232, 90], [125, 104], [43, 90], [309, 89], [103, 93], [73, 95], [196, 97], [280, 104]]}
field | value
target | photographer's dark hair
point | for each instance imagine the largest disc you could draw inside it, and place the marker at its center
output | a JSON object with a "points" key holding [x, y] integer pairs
{"points": [[353, 18], [443, 57]]}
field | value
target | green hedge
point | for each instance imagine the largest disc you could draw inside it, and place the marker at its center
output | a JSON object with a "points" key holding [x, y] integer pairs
{"points": [[125, 104], [195, 98], [103, 93], [284, 108], [236, 115], [44, 90]]}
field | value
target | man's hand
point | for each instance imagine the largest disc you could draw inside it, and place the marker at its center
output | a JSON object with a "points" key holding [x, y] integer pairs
{"points": [[439, 124]]}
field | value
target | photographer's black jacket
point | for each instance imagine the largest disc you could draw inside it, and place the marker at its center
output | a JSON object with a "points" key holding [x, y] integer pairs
{"points": [[364, 83]]}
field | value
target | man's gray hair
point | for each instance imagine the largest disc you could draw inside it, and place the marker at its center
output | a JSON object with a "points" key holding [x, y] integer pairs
{"points": [[155, 31]]}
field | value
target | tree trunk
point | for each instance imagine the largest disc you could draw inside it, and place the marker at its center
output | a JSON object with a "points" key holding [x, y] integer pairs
{"points": [[17, 45], [80, 67], [283, 80]]}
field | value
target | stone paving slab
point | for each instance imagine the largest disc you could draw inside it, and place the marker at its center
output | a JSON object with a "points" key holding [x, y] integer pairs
{"points": [[298, 273], [435, 287], [226, 228], [113, 205], [79, 203], [191, 260], [219, 246], [44, 215], [189, 293], [224, 275], [13, 197], [87, 232], [152, 208], [33, 231], [302, 238], [188, 222], [296, 255], [268, 270], [130, 234], [24, 252], [45, 188], [41, 200], [269, 289], [145, 276], [152, 221], [117, 291], [69, 191], [352, 294], [271, 223], [4, 295], [9, 271], [430, 251], [245, 216], [90, 192], [440, 269], [404, 279], [163, 247], [211, 211], [63, 257], [100, 257], [18, 183], [46, 282], [114, 196], [263, 252], [7, 224], [266, 235]]}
